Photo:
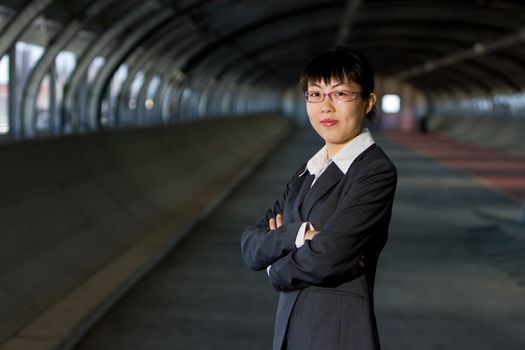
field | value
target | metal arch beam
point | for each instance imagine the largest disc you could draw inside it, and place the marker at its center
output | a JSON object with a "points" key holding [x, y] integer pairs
{"points": [[18, 24], [459, 79], [464, 77], [432, 85], [487, 70], [64, 36], [222, 98], [445, 82], [166, 67], [394, 30], [239, 101], [159, 40], [283, 41], [513, 59], [491, 73], [140, 60], [476, 51], [104, 75], [211, 75], [466, 14], [75, 79], [347, 21], [225, 55], [172, 71], [293, 56], [415, 39], [195, 59], [159, 68], [313, 36]]}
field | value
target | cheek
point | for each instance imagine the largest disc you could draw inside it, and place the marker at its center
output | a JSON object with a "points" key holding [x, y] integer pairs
{"points": [[311, 110], [355, 111]]}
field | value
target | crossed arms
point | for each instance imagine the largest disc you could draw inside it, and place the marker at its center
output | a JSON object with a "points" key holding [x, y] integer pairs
{"points": [[330, 255]]}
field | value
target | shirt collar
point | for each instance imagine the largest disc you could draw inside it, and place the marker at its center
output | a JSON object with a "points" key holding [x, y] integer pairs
{"points": [[343, 158]]}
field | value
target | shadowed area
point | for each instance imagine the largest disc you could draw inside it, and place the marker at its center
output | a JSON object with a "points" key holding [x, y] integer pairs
{"points": [[84, 218], [436, 288]]}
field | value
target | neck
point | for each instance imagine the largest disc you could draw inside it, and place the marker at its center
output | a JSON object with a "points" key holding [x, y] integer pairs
{"points": [[332, 149]]}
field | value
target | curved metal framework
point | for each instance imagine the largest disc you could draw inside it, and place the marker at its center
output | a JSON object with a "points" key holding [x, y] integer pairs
{"points": [[212, 58]]}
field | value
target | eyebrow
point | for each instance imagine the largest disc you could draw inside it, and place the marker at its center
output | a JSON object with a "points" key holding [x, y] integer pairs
{"points": [[333, 86]]}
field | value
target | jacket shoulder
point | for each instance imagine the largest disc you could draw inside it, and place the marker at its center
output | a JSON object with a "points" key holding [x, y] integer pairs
{"points": [[374, 156]]}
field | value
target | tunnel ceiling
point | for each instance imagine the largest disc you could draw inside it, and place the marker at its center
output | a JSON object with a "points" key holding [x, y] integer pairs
{"points": [[440, 46]]}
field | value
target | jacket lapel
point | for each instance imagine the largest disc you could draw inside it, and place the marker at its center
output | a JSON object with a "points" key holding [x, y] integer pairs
{"points": [[300, 195], [326, 181]]}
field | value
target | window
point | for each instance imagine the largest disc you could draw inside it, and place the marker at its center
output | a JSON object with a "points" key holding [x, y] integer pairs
{"points": [[135, 89], [27, 55], [64, 64], [94, 67], [4, 94], [152, 90], [43, 105], [110, 102]]}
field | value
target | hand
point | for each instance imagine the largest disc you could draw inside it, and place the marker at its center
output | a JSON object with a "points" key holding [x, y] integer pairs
{"points": [[276, 223], [359, 266], [310, 234]]}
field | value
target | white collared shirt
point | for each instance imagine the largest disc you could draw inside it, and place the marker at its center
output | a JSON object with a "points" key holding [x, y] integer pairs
{"points": [[343, 159]]}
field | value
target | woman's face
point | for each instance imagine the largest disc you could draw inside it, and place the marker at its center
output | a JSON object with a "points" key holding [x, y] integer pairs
{"points": [[338, 123]]}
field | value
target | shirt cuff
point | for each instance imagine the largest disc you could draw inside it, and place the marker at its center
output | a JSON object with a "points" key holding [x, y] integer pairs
{"points": [[268, 270], [299, 239]]}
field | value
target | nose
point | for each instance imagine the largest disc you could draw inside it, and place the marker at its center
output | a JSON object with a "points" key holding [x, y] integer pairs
{"points": [[327, 104]]}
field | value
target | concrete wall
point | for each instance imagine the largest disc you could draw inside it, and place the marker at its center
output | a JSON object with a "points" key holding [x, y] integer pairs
{"points": [[82, 218]]}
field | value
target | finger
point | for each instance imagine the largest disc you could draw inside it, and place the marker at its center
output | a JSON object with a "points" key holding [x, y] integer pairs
{"points": [[360, 264], [279, 219], [271, 223]]}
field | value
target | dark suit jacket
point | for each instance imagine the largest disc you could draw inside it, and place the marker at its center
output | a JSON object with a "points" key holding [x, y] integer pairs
{"points": [[325, 303]]}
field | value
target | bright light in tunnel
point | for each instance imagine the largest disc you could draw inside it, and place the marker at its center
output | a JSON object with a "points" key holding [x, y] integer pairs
{"points": [[4, 94], [391, 103], [149, 103]]}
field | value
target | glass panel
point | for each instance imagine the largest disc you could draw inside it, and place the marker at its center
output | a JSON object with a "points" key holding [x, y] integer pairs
{"points": [[152, 90], [135, 89], [27, 55], [109, 117], [4, 94], [94, 67], [43, 115], [65, 62]]}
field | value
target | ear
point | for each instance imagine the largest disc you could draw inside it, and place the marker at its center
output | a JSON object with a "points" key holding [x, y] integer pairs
{"points": [[371, 101]]}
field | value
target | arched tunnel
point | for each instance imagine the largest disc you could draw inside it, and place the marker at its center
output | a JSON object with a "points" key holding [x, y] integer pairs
{"points": [[139, 138]]}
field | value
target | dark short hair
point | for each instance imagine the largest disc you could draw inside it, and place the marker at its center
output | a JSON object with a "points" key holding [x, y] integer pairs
{"points": [[341, 64]]}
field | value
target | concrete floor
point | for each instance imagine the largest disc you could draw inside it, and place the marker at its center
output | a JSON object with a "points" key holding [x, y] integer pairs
{"points": [[449, 278]]}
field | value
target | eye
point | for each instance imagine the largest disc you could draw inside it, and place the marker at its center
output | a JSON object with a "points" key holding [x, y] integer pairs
{"points": [[313, 94], [342, 93]]}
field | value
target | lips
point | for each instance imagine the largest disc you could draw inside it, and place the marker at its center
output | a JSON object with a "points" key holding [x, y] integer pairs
{"points": [[328, 122]]}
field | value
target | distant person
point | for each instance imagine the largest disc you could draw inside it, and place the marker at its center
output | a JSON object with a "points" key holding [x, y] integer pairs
{"points": [[321, 241]]}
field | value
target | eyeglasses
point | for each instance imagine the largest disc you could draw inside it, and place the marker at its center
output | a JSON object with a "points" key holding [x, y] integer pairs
{"points": [[338, 96]]}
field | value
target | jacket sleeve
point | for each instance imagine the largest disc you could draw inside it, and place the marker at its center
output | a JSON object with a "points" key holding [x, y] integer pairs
{"points": [[361, 220], [260, 246]]}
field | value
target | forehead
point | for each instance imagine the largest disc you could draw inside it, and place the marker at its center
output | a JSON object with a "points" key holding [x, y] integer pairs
{"points": [[332, 83]]}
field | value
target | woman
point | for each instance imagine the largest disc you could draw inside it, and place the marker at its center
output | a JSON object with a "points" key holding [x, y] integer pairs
{"points": [[321, 241]]}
